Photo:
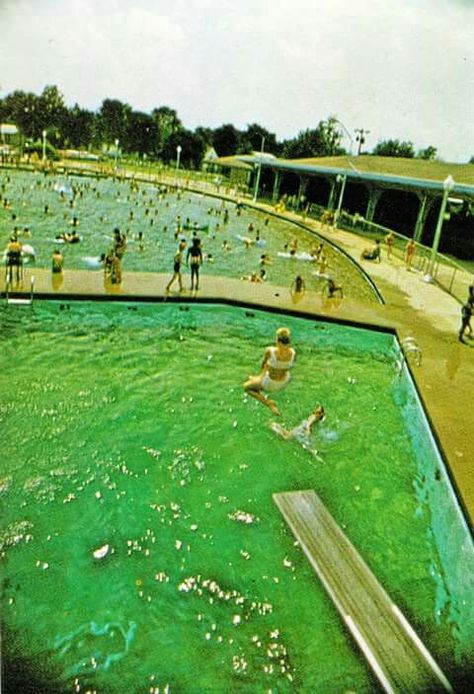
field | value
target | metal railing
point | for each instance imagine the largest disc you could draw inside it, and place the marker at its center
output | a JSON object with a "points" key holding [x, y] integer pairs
{"points": [[447, 273]]}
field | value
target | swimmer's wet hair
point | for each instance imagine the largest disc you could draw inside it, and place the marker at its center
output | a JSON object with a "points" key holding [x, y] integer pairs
{"points": [[283, 335]]}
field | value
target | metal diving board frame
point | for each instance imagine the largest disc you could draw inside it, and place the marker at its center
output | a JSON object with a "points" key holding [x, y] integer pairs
{"points": [[21, 300], [397, 656]]}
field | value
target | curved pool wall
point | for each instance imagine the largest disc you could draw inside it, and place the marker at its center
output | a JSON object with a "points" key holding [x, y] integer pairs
{"points": [[452, 556]]}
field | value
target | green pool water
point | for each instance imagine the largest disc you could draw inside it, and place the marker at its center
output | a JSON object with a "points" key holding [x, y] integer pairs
{"points": [[140, 547], [102, 204]]}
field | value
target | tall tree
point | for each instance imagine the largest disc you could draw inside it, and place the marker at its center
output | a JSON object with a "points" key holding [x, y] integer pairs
{"points": [[142, 134], [323, 141], [23, 109], [53, 109], [226, 140], [167, 124], [79, 127], [428, 153], [251, 140], [192, 149], [113, 121], [394, 148]]}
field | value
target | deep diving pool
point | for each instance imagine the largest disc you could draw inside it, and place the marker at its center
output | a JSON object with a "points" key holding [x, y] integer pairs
{"points": [[140, 547]]}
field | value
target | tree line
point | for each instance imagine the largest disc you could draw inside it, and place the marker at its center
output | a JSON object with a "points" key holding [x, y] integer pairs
{"points": [[158, 134]]}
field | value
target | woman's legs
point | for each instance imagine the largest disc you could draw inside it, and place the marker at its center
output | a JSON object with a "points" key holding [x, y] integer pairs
{"points": [[253, 387]]}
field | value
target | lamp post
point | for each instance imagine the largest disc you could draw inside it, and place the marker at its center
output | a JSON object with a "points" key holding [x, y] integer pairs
{"points": [[179, 149], [259, 171], [44, 145], [360, 138], [117, 141], [448, 185], [341, 180]]}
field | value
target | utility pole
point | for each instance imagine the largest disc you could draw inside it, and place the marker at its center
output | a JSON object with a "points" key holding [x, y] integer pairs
{"points": [[360, 138]]}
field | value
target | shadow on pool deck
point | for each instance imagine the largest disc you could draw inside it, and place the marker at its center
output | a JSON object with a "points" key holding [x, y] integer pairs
{"points": [[412, 307]]}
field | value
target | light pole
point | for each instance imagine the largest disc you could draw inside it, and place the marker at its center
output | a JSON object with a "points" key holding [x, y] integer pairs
{"points": [[341, 180], [448, 185], [259, 171], [360, 138], [117, 141], [44, 145], [179, 149]]}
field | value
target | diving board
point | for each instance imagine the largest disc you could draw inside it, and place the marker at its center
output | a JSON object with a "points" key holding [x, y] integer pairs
{"points": [[395, 653]]}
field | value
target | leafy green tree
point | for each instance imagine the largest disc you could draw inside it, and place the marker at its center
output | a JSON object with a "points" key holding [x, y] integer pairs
{"points": [[394, 148], [428, 153], [167, 124], [53, 112], [205, 134], [226, 140], [142, 134], [192, 149], [23, 109], [113, 121], [323, 141], [251, 140], [79, 127]]}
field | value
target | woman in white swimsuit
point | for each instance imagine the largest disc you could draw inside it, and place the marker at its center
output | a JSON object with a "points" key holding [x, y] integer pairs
{"points": [[275, 374]]}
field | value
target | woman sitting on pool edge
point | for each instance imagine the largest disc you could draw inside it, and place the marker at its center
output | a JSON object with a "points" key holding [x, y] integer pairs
{"points": [[275, 374]]}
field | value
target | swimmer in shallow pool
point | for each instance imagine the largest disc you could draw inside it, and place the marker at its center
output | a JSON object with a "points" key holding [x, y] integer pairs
{"points": [[275, 373]]}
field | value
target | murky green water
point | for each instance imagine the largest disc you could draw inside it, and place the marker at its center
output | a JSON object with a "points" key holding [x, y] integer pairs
{"points": [[101, 205], [140, 545]]}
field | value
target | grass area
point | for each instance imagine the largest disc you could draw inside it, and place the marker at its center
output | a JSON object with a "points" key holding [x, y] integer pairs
{"points": [[398, 166]]}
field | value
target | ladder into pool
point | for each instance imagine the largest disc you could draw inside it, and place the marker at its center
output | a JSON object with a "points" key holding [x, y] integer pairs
{"points": [[21, 300], [397, 656]]}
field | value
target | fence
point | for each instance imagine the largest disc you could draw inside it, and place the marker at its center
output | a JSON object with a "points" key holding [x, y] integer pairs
{"points": [[447, 273]]}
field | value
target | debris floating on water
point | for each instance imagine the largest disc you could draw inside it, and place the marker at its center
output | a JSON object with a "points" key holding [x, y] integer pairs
{"points": [[101, 552]]}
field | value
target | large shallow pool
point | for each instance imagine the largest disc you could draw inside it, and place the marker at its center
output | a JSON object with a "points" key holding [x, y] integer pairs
{"points": [[141, 550], [102, 204]]}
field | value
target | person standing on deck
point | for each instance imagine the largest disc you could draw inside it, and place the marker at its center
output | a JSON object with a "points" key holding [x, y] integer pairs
{"points": [[410, 249], [466, 314], [178, 259], [194, 258]]}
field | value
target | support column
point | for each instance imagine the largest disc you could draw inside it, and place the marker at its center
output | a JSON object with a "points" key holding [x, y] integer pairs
{"points": [[426, 203], [276, 187], [301, 190], [332, 194], [374, 197]]}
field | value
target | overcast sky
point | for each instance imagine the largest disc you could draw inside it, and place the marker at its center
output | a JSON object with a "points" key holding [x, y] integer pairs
{"points": [[400, 68]]}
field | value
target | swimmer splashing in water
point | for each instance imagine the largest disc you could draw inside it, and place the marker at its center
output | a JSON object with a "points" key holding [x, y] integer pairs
{"points": [[275, 373], [302, 432]]}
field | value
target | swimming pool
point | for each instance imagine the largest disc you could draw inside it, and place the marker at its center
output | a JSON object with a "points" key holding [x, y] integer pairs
{"points": [[102, 204], [140, 545]]}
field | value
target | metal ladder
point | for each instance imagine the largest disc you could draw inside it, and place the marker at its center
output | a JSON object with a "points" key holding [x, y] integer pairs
{"points": [[19, 301], [411, 346]]}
